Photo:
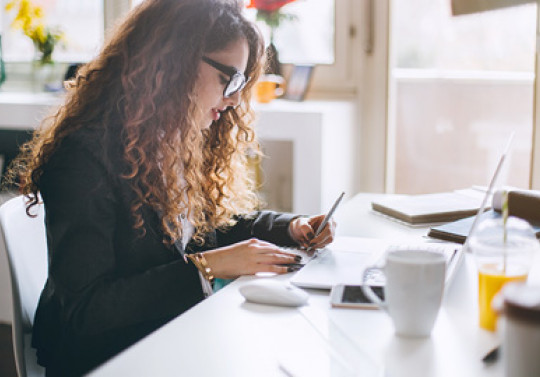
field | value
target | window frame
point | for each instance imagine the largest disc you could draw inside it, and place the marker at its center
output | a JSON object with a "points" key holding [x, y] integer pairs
{"points": [[338, 79], [535, 158], [113, 10], [383, 26], [329, 80]]}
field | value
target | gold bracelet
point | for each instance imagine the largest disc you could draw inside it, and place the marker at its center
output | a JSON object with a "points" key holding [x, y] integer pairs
{"points": [[201, 263]]}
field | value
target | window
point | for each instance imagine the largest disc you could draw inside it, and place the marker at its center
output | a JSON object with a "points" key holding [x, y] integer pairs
{"points": [[323, 28], [309, 37], [81, 21], [320, 35], [459, 86]]}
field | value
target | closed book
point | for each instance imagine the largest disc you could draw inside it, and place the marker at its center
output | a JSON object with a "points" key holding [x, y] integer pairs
{"points": [[524, 204], [457, 231], [431, 208]]}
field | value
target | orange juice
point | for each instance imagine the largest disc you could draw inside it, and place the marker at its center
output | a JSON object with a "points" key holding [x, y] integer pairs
{"points": [[491, 278]]}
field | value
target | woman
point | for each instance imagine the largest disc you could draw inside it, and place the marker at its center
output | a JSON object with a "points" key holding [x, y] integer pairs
{"points": [[143, 175]]}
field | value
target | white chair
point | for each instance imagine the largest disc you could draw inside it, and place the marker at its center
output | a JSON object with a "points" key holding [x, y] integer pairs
{"points": [[26, 248]]}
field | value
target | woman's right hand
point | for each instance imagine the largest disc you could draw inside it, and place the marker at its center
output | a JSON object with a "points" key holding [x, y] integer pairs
{"points": [[249, 257]]}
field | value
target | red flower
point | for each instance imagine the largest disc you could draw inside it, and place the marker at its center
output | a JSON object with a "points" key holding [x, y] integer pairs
{"points": [[268, 5]]}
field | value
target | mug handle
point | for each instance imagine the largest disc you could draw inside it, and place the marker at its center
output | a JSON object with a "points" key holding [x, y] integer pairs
{"points": [[280, 86], [368, 292]]}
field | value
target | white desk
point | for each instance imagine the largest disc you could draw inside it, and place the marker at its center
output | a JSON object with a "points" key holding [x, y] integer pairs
{"points": [[225, 336], [24, 111]]}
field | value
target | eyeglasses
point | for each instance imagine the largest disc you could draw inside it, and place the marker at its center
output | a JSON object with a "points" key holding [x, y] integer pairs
{"points": [[237, 80]]}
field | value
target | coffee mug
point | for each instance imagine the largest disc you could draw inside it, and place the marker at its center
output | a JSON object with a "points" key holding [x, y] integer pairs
{"points": [[413, 290], [269, 87]]}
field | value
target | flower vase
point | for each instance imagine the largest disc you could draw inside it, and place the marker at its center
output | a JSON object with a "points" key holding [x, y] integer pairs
{"points": [[273, 66], [2, 66], [42, 75]]}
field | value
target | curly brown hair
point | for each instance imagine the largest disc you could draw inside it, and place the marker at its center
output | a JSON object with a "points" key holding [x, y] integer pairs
{"points": [[144, 80]]}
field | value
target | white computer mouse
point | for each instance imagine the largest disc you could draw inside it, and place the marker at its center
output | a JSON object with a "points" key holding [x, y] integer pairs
{"points": [[273, 292]]}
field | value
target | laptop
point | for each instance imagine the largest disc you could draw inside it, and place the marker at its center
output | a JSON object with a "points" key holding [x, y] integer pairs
{"points": [[345, 260]]}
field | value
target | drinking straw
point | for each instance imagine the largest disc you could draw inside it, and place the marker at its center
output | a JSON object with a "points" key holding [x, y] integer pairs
{"points": [[505, 231]]}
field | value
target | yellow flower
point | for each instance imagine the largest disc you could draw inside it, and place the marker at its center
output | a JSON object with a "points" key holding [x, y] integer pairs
{"points": [[30, 20], [10, 5], [40, 33], [24, 10], [38, 12]]}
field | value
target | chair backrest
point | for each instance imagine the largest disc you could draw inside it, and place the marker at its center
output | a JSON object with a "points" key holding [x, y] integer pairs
{"points": [[26, 247]]}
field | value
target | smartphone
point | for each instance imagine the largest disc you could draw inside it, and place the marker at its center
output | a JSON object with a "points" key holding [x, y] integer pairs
{"points": [[352, 296]]}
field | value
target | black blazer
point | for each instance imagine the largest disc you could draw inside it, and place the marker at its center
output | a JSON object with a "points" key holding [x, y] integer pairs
{"points": [[109, 286]]}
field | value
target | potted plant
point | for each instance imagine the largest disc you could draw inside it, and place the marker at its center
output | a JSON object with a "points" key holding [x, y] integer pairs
{"points": [[270, 12], [30, 19]]}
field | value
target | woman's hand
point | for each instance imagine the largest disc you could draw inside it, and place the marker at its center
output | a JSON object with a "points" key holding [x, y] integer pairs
{"points": [[249, 257], [303, 230]]}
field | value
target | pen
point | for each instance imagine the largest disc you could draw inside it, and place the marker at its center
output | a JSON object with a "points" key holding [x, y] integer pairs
{"points": [[327, 217]]}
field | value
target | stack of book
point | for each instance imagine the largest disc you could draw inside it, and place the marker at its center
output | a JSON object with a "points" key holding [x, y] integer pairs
{"points": [[524, 204], [457, 210]]}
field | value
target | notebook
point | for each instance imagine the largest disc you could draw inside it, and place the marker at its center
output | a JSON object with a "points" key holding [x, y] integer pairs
{"points": [[346, 259], [430, 208]]}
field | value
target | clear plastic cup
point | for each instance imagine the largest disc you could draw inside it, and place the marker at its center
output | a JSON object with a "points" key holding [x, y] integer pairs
{"points": [[502, 254]]}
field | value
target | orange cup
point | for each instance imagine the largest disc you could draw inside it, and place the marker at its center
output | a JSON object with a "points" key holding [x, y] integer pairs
{"points": [[269, 87]]}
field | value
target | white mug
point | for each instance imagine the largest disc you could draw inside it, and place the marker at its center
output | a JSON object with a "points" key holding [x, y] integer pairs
{"points": [[413, 290]]}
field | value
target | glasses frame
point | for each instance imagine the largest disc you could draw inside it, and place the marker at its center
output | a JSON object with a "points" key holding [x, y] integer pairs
{"points": [[229, 71]]}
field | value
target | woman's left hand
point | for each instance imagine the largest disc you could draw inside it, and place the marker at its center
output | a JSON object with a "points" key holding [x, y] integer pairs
{"points": [[303, 231]]}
